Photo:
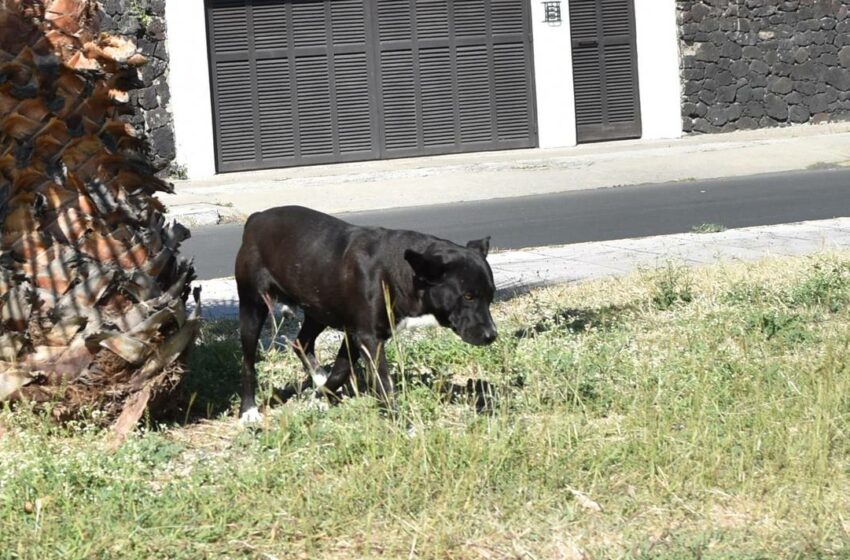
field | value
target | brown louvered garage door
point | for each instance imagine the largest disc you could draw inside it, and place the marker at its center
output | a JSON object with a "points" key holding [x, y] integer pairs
{"points": [[605, 69], [297, 82]]}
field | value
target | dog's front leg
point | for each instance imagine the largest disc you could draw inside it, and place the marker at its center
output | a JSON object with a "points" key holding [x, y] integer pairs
{"points": [[305, 347], [343, 367]]}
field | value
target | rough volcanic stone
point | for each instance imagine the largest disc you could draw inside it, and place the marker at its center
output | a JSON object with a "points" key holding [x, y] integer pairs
{"points": [[782, 69], [701, 125], [717, 115], [725, 78], [758, 80], [844, 56], [148, 98], [759, 67], [734, 111], [708, 97], [767, 122], [113, 7], [708, 53], [838, 78], [691, 74], [731, 50], [157, 118], [754, 109], [689, 109], [744, 94], [747, 123], [153, 70], [726, 94], [163, 92], [806, 88], [780, 85], [692, 87], [831, 93], [805, 71], [156, 28], [163, 142], [775, 107], [794, 98], [739, 68]]}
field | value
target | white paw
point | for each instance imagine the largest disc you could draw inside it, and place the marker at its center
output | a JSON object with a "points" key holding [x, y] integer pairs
{"points": [[251, 416], [319, 378]]}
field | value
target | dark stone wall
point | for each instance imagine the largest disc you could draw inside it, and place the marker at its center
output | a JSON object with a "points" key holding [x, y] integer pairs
{"points": [[144, 21], [759, 63]]}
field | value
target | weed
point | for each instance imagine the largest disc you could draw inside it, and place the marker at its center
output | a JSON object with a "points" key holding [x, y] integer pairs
{"points": [[827, 284], [177, 171], [141, 12], [708, 228], [671, 285], [772, 323]]}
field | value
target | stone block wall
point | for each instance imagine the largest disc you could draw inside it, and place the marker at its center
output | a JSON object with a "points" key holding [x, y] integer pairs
{"points": [[749, 64], [144, 21]]}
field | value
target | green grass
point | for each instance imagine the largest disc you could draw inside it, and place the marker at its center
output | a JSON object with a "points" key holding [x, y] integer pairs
{"points": [[708, 228], [675, 414]]}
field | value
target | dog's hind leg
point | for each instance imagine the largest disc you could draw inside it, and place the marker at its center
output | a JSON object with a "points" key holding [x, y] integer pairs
{"points": [[305, 347], [252, 314]]}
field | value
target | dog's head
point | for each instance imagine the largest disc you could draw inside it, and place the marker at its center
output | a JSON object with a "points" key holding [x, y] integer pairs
{"points": [[458, 288]]}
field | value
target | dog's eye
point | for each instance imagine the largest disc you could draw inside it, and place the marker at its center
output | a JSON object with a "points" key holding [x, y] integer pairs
{"points": [[469, 296]]}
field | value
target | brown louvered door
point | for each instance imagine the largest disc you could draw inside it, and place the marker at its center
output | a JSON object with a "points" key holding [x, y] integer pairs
{"points": [[297, 82], [605, 69], [291, 83], [455, 76]]}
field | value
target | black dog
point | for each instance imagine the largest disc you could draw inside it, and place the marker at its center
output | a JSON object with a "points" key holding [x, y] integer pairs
{"points": [[339, 274]]}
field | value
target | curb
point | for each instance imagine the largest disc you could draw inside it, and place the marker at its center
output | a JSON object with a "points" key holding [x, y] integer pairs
{"points": [[525, 269]]}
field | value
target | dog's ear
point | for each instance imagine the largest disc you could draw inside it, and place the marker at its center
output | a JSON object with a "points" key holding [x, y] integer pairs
{"points": [[429, 268], [480, 245]]}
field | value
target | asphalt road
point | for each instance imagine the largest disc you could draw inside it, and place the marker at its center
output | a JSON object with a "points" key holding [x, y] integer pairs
{"points": [[590, 215]]}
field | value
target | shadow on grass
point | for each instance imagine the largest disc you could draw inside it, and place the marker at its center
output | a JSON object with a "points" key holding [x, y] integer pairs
{"points": [[578, 320], [479, 393], [212, 383]]}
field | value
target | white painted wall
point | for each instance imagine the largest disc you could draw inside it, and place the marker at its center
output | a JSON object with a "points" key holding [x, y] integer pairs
{"points": [[189, 81], [658, 68], [553, 76]]}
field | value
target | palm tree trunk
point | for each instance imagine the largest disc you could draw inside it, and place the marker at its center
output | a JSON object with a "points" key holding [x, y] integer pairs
{"points": [[92, 290]]}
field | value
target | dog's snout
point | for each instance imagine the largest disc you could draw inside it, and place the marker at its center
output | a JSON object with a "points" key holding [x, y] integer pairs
{"points": [[490, 335]]}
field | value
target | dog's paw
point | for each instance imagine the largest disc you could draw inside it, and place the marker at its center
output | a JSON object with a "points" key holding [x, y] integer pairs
{"points": [[320, 377], [251, 417]]}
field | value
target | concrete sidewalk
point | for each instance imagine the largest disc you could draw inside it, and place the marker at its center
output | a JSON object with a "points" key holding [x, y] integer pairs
{"points": [[518, 270], [396, 183]]}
